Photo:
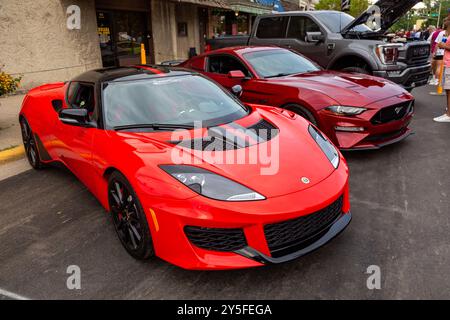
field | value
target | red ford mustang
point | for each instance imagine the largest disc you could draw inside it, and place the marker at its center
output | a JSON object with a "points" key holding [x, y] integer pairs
{"points": [[354, 111], [119, 131]]}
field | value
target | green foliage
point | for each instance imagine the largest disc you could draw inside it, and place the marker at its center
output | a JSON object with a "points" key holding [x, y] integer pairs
{"points": [[356, 6], [429, 13]]}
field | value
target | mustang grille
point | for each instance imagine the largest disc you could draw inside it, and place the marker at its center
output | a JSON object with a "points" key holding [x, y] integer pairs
{"points": [[293, 235], [393, 113], [385, 136], [226, 240]]}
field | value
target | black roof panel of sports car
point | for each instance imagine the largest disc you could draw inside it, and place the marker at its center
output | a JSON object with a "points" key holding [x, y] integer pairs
{"points": [[130, 73]]}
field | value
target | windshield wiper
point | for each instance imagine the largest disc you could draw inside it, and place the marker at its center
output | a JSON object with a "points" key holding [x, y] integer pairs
{"points": [[155, 126], [280, 75]]}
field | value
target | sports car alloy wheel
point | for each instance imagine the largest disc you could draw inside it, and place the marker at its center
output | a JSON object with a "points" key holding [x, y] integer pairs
{"points": [[128, 217], [29, 144]]}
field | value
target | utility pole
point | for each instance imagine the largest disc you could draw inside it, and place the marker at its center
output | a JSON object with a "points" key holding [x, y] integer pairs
{"points": [[439, 14]]}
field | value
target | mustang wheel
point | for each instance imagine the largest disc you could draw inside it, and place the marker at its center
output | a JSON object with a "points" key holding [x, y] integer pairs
{"points": [[30, 146], [129, 218], [302, 112]]}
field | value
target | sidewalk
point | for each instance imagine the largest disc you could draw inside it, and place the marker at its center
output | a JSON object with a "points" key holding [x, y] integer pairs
{"points": [[10, 136]]}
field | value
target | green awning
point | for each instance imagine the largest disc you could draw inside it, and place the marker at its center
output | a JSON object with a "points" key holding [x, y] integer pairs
{"points": [[209, 3], [250, 9]]}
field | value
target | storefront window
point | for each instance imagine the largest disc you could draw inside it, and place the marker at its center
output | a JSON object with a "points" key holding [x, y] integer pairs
{"points": [[226, 22], [121, 34]]}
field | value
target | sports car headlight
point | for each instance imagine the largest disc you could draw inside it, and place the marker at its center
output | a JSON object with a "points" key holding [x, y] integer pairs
{"points": [[327, 147], [211, 185], [345, 111]]}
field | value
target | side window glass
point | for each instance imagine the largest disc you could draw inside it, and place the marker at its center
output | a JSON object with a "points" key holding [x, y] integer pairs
{"points": [[272, 28], [81, 95], [225, 64], [299, 26], [198, 64]]}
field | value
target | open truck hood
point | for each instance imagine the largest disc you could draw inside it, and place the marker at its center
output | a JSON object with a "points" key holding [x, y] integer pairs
{"points": [[391, 12]]}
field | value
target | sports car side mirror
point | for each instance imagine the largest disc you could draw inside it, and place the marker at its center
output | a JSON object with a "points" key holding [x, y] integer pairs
{"points": [[237, 90], [236, 74], [75, 117]]}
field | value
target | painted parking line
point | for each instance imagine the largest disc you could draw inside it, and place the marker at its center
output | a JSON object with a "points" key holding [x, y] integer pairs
{"points": [[12, 295]]}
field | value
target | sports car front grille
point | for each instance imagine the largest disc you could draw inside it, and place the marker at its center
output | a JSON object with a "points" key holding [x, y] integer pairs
{"points": [[293, 235], [225, 240], [393, 113]]}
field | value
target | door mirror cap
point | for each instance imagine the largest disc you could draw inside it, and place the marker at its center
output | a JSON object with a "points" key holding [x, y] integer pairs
{"points": [[236, 74], [75, 117], [315, 37], [237, 90]]}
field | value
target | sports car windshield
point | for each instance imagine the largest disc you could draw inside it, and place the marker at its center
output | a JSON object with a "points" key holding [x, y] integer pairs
{"points": [[179, 100], [278, 63]]}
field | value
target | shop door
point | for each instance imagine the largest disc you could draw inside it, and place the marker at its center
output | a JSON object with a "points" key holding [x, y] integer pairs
{"points": [[121, 34]]}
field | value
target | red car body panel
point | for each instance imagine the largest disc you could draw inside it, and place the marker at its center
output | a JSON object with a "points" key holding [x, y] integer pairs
{"points": [[169, 205], [318, 90]]}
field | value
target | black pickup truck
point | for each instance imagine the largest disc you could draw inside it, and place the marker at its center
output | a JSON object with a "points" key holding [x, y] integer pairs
{"points": [[337, 41]]}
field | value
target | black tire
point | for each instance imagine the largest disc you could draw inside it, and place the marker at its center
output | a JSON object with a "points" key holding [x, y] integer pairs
{"points": [[302, 112], [129, 218], [363, 70], [29, 143]]}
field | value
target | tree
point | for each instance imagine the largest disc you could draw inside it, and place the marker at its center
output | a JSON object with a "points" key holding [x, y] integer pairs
{"points": [[356, 6]]}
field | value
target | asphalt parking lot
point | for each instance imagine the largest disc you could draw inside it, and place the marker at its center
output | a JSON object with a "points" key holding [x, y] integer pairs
{"points": [[401, 223]]}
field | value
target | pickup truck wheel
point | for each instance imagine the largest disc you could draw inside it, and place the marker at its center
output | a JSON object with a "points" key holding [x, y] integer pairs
{"points": [[356, 70], [302, 111]]}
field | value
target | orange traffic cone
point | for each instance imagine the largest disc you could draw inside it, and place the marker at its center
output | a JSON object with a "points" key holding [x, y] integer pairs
{"points": [[440, 87]]}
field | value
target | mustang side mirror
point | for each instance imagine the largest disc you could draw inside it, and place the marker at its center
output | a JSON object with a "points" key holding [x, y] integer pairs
{"points": [[237, 90], [236, 74], [315, 37], [75, 117]]}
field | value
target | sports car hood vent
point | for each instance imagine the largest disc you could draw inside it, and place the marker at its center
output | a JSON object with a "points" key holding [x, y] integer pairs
{"points": [[232, 137]]}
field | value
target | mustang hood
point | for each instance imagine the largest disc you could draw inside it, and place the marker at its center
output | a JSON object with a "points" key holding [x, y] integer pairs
{"points": [[273, 168], [345, 88], [391, 12]]}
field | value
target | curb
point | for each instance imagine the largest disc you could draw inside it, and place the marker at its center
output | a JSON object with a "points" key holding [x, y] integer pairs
{"points": [[12, 154]]}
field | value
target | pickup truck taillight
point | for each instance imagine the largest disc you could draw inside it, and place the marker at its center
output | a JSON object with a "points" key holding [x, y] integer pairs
{"points": [[388, 54]]}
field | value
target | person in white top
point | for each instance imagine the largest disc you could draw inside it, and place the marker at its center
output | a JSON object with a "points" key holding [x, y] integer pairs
{"points": [[443, 47], [438, 55]]}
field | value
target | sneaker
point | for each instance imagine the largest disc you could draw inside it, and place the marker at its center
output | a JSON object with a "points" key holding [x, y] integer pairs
{"points": [[443, 118], [433, 82]]}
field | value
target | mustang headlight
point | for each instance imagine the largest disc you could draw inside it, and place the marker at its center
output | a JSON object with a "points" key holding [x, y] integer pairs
{"points": [[345, 111], [211, 185], [327, 147]]}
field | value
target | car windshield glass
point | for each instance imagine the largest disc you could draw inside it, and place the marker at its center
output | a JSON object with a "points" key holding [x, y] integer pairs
{"points": [[336, 21], [181, 100], [277, 63]]}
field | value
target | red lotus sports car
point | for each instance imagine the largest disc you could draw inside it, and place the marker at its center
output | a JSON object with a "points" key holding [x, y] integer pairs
{"points": [[355, 111], [132, 136]]}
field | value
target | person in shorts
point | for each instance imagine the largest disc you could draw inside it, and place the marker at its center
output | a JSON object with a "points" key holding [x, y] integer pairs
{"points": [[443, 43], [437, 55]]}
